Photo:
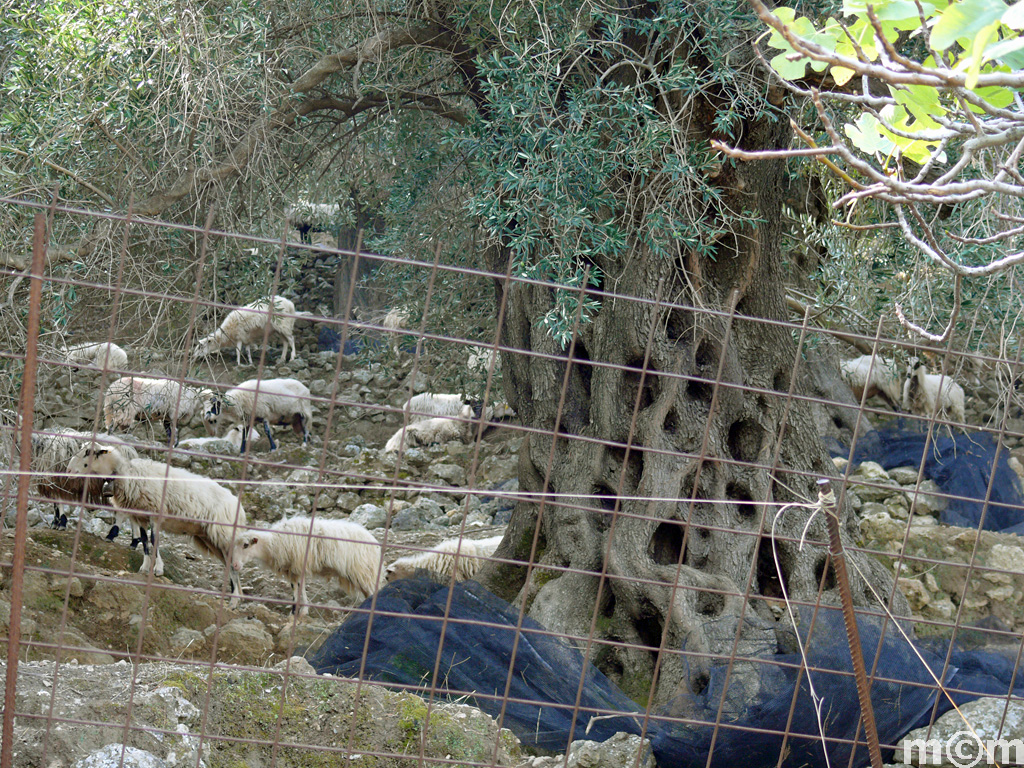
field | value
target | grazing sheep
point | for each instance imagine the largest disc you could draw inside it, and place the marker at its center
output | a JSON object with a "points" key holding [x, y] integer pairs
{"points": [[463, 557], [247, 325], [102, 354], [299, 546], [928, 394], [232, 440], [306, 217], [480, 359], [264, 401], [52, 451], [429, 431], [133, 397], [869, 376], [172, 500]]}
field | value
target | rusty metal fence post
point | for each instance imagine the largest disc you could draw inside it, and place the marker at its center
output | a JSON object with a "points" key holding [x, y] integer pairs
{"points": [[27, 405]]}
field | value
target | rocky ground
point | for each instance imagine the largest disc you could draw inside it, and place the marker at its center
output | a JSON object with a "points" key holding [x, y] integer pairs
{"points": [[156, 662]]}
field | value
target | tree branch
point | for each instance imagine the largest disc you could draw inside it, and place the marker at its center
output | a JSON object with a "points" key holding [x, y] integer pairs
{"points": [[192, 181]]}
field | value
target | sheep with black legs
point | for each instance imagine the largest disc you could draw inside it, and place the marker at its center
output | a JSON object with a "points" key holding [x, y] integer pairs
{"points": [[170, 500], [462, 557], [869, 376], [262, 401], [134, 397], [104, 354], [52, 451], [430, 431], [247, 325], [316, 217], [928, 394], [298, 547]]}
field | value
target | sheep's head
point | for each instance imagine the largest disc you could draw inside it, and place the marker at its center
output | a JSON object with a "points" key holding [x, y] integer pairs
{"points": [[244, 549], [95, 460], [207, 345], [213, 408]]}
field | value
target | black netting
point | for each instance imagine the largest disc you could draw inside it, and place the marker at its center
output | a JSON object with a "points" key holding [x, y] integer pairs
{"points": [[962, 465], [475, 660]]}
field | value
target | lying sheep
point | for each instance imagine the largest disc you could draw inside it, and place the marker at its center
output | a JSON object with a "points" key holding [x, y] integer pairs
{"points": [[430, 404], [214, 444], [869, 376], [429, 431], [247, 325], [172, 500], [299, 546], [262, 401], [52, 451], [104, 354], [133, 397], [928, 394], [461, 557]]}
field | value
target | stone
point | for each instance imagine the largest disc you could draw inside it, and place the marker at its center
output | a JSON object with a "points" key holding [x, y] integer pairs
{"points": [[619, 751], [370, 516], [110, 756], [187, 642], [990, 719], [241, 640], [451, 474], [904, 475]]}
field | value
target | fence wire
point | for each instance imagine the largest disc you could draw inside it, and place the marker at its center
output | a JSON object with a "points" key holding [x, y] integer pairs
{"points": [[363, 636]]}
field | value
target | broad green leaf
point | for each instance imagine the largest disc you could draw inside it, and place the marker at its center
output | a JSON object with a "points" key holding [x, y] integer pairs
{"points": [[921, 102], [997, 97], [1014, 16], [866, 135], [841, 75], [1009, 52], [977, 53], [804, 28], [965, 20], [864, 35]]}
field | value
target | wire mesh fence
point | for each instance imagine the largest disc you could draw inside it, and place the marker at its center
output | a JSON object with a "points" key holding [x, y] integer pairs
{"points": [[454, 534]]}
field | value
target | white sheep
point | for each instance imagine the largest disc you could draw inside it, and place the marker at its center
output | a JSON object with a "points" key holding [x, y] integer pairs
{"points": [[134, 397], [396, 321], [463, 557], [262, 401], [104, 354], [52, 451], [427, 405], [429, 431], [929, 394], [247, 325], [298, 547], [303, 216], [869, 376], [172, 500], [480, 360], [430, 404], [233, 438]]}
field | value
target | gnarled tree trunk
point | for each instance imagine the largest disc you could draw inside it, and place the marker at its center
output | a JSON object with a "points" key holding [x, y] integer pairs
{"points": [[675, 431]]}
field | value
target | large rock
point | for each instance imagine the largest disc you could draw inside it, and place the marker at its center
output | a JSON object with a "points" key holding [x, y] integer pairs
{"points": [[243, 715], [950, 742], [619, 751]]}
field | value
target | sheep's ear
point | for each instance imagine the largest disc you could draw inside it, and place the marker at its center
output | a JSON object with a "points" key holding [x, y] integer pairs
{"points": [[250, 541]]}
